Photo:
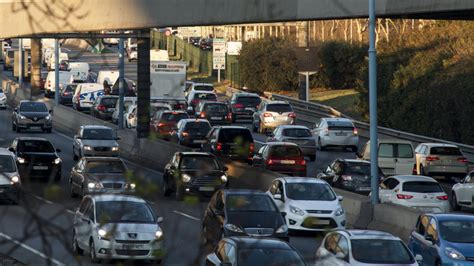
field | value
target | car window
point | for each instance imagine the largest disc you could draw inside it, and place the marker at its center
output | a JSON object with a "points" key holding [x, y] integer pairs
{"points": [[249, 100], [445, 151], [40, 146], [33, 107], [203, 88], [423, 222], [104, 167], [432, 229], [197, 127], [235, 135], [309, 191], [7, 164], [285, 151], [173, 117], [249, 203], [340, 125], [98, 133], [216, 108], [380, 251], [124, 211], [422, 187], [404, 151], [269, 257], [204, 163], [390, 183], [386, 150], [205, 96], [357, 169], [109, 102], [297, 132], [457, 231], [279, 108]]}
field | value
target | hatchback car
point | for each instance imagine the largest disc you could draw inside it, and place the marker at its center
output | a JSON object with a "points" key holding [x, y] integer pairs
{"points": [[269, 115], [243, 105], [95, 140], [32, 115], [163, 123], [300, 135], [363, 247], [251, 251], [230, 141], [191, 132], [103, 107], [10, 181], [419, 192], [99, 175], [66, 93], [117, 227], [127, 101], [443, 239], [336, 132], [194, 97], [193, 172], [283, 157], [462, 193], [216, 113], [37, 158], [439, 159], [310, 204], [242, 213]]}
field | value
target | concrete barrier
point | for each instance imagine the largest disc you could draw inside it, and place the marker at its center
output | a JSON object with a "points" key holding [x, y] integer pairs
{"points": [[395, 219]]}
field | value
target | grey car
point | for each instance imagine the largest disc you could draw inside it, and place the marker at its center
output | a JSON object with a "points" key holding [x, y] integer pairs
{"points": [[300, 135], [272, 114], [32, 115], [99, 175], [95, 140], [10, 182]]}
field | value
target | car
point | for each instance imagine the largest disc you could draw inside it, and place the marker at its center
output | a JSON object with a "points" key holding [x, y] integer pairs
{"points": [[109, 76], [253, 251], [310, 204], [193, 172], [243, 105], [79, 70], [132, 53], [349, 174], [104, 106], [300, 135], [32, 115], [95, 140], [130, 116], [3, 99], [234, 142], [363, 247], [395, 156], [66, 93], [191, 132], [269, 115], [194, 97], [85, 95], [129, 88], [338, 132], [10, 180], [65, 77], [164, 122], [117, 227], [203, 87], [283, 157], [238, 212], [216, 113], [37, 158], [93, 175], [443, 239], [127, 101], [462, 193], [439, 159], [419, 192]]}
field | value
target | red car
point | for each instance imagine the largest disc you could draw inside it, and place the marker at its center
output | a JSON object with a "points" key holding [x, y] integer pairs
{"points": [[283, 157], [163, 122]]}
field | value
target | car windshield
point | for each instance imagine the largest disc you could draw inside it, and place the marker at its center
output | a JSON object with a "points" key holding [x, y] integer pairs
{"points": [[235, 135], [173, 117], [357, 169], [109, 102], [113, 167], [297, 133], [279, 108], [457, 231], [381, 251], [285, 151], [340, 125], [123, 212], [251, 100], [216, 108], [7, 165], [197, 127], [203, 88], [40, 146], [206, 96], [445, 151], [33, 107], [309, 191], [98, 133], [250, 203], [269, 257], [422, 187], [199, 163], [154, 109]]}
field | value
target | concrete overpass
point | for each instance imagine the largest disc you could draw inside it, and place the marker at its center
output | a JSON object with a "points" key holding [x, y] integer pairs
{"points": [[30, 17]]}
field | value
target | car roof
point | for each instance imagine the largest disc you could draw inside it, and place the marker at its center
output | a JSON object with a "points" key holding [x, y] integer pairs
{"points": [[195, 153], [5, 151], [189, 120], [439, 145], [390, 140], [95, 127], [296, 179], [452, 216], [406, 178], [246, 242], [32, 138], [292, 126], [369, 234], [115, 197]]}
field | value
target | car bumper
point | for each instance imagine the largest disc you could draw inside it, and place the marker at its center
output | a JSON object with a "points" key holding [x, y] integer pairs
{"points": [[242, 114], [308, 150], [446, 170], [339, 141], [281, 236], [192, 142], [113, 250], [314, 222], [359, 188], [203, 190], [273, 124], [100, 153], [288, 170], [28, 171], [426, 207], [445, 261], [34, 125]]}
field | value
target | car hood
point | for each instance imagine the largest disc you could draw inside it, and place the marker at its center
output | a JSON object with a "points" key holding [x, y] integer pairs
{"points": [[42, 155], [466, 249], [6, 177], [315, 204], [100, 142], [34, 114], [255, 219], [132, 231], [107, 177]]}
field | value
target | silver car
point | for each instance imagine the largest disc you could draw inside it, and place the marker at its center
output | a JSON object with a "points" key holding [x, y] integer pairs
{"points": [[10, 182], [117, 227], [272, 114], [340, 132], [94, 140], [439, 159], [32, 115], [300, 135]]}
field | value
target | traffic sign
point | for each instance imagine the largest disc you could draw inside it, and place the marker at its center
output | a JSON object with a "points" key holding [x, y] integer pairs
{"points": [[218, 53]]}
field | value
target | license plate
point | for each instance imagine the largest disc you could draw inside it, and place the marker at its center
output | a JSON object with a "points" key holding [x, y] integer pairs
{"points": [[199, 141], [341, 134], [324, 222], [206, 189], [35, 127], [250, 109], [216, 118], [364, 189], [132, 246], [426, 209], [287, 161], [38, 167]]}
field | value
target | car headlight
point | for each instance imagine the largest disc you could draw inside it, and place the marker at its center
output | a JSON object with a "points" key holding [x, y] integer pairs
{"points": [[296, 210], [48, 117], [103, 234], [453, 254], [233, 228], [22, 117], [339, 211], [159, 234], [115, 148], [21, 160], [57, 161], [186, 178], [15, 179], [88, 148], [282, 229], [224, 178], [130, 186], [94, 185]]}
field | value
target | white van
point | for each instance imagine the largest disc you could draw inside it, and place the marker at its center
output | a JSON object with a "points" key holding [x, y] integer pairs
{"points": [[52, 60], [65, 77], [110, 75], [396, 157], [85, 95], [79, 71]]}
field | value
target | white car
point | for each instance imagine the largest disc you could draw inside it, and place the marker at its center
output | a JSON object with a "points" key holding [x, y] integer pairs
{"points": [[462, 193], [130, 116], [112, 226], [336, 132], [65, 77], [439, 159], [310, 204], [363, 247], [127, 101], [3, 99], [10, 181], [415, 191], [132, 52]]}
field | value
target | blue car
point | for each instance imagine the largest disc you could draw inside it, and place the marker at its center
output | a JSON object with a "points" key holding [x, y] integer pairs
{"points": [[444, 239]]}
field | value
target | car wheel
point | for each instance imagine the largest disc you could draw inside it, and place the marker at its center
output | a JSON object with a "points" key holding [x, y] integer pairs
{"points": [[422, 170], [166, 190], [454, 203], [75, 246], [92, 252], [179, 193], [312, 158], [71, 190], [320, 145]]}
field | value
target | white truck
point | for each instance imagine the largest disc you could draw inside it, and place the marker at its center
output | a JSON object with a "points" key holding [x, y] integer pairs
{"points": [[168, 83]]}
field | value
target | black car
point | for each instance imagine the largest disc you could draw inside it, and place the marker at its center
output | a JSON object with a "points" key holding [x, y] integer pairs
{"points": [[195, 41], [206, 44], [243, 105], [254, 251], [32, 115], [37, 157], [217, 113], [104, 106], [234, 142], [348, 174], [193, 172], [191, 132], [66, 93], [242, 213]]}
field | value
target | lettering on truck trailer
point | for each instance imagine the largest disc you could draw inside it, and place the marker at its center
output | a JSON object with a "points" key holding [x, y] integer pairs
{"points": [[92, 95]]}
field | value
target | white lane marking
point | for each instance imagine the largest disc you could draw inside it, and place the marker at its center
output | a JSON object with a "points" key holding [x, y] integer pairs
{"points": [[187, 215], [32, 250], [42, 199]]}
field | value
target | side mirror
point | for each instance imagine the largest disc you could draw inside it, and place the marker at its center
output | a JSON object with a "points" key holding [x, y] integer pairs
{"points": [[15, 109], [418, 258], [118, 138], [58, 150], [340, 198], [11, 149], [225, 168], [278, 197], [159, 219], [51, 111]]}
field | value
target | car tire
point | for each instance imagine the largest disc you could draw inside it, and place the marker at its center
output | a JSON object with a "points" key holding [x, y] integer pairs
{"points": [[13, 127], [17, 129], [166, 190], [454, 203], [71, 190], [75, 246], [92, 252], [312, 158], [179, 193], [422, 170], [320, 145]]}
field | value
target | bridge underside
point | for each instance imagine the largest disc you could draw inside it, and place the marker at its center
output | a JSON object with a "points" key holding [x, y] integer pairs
{"points": [[43, 17]]}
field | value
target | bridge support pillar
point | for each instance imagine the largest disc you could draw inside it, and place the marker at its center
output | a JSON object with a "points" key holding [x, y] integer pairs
{"points": [[143, 87], [35, 67]]}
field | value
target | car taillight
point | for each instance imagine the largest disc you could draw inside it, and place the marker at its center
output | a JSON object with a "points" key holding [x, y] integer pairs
{"points": [[185, 134], [432, 158], [66, 93], [355, 131], [292, 115], [252, 147], [272, 161], [445, 197], [202, 115], [267, 115], [301, 162], [238, 105], [462, 160], [229, 116], [219, 146], [402, 196], [161, 124], [101, 108]]}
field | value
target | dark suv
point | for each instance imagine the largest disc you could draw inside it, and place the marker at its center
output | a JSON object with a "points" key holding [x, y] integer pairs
{"points": [[216, 113], [230, 141], [104, 107], [243, 105]]}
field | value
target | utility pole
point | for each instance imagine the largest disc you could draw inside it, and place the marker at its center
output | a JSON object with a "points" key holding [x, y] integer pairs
{"points": [[56, 71], [374, 172], [121, 81], [20, 64]]}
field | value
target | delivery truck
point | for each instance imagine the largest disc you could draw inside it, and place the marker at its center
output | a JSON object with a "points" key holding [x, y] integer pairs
{"points": [[167, 80]]}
